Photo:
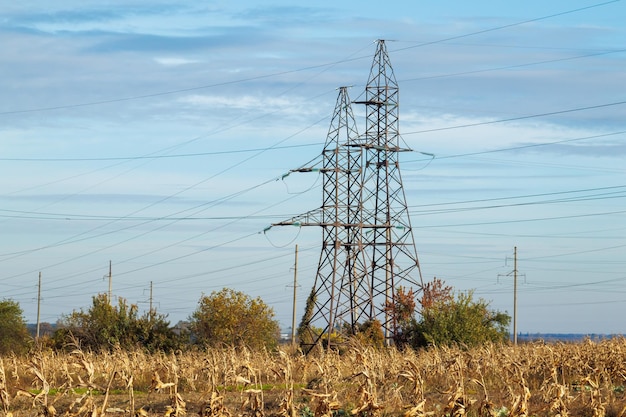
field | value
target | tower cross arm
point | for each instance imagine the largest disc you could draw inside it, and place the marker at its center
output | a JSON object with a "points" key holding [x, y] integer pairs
{"points": [[310, 218]]}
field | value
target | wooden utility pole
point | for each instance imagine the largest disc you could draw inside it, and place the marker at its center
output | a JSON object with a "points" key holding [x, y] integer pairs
{"points": [[293, 315], [110, 285], [150, 298], [515, 295], [514, 272], [38, 305]]}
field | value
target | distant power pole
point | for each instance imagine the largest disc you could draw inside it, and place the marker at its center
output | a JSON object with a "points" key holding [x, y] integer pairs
{"points": [[151, 298], [38, 304], [514, 272], [110, 284], [515, 295], [295, 283]]}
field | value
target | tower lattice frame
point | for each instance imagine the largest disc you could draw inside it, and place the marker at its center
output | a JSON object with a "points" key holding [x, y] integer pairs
{"points": [[386, 229], [368, 250]]}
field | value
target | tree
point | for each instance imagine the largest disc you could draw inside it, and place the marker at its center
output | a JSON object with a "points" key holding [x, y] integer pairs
{"points": [[436, 292], [446, 318], [307, 334], [232, 318], [153, 333], [402, 311], [370, 333], [462, 321], [14, 335], [104, 327]]}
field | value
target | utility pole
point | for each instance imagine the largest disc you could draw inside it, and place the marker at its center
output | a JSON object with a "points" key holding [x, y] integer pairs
{"points": [[151, 299], [293, 316], [515, 274], [515, 295], [110, 285], [38, 304]]}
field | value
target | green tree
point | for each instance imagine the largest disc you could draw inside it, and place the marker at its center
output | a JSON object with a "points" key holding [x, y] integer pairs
{"points": [[14, 335], [232, 318], [307, 334], [154, 333], [462, 321], [104, 326], [370, 333], [446, 318]]}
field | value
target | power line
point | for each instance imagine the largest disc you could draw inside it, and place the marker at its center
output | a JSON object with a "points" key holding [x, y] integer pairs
{"points": [[34, 215], [178, 91], [528, 146], [570, 286], [276, 74], [508, 67], [482, 200], [479, 32], [511, 162], [535, 47], [22, 214], [512, 119], [151, 157], [65, 276], [569, 235], [577, 216], [535, 258], [180, 278], [234, 218], [577, 303], [272, 148], [73, 239]]}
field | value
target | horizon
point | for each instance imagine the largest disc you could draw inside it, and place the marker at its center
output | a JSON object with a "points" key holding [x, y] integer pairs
{"points": [[285, 333]]}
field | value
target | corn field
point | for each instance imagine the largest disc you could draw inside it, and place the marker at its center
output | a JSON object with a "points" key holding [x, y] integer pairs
{"points": [[581, 379]]}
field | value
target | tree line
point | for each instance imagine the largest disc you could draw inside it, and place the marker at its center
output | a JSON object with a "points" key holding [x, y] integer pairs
{"points": [[232, 318]]}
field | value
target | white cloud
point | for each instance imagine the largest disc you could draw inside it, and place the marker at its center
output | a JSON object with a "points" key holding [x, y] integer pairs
{"points": [[242, 102], [163, 78], [262, 105], [175, 61]]}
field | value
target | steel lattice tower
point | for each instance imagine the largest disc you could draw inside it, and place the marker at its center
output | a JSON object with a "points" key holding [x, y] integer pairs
{"points": [[338, 296], [368, 250], [387, 233]]}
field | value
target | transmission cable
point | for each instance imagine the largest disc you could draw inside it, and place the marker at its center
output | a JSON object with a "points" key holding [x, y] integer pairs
{"points": [[511, 119], [479, 32], [264, 76]]}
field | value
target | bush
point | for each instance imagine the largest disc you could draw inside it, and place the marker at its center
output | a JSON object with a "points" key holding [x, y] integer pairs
{"points": [[447, 318], [104, 327], [370, 333], [463, 321], [14, 335], [232, 318]]}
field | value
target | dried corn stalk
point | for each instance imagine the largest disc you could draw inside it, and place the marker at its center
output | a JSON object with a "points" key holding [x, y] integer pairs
{"points": [[4, 393]]}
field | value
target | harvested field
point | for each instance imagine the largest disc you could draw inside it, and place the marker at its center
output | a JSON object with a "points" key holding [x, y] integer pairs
{"points": [[582, 379]]}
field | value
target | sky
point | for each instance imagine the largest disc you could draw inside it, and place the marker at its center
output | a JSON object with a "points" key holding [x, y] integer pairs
{"points": [[156, 136]]}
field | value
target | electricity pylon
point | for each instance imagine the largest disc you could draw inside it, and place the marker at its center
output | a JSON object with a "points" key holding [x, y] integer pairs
{"points": [[368, 250], [338, 298], [387, 233]]}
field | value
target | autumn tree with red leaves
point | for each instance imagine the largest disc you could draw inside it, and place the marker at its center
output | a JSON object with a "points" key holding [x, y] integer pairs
{"points": [[446, 318]]}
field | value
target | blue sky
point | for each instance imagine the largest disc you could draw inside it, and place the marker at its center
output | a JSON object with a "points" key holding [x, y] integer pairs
{"points": [[155, 135]]}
